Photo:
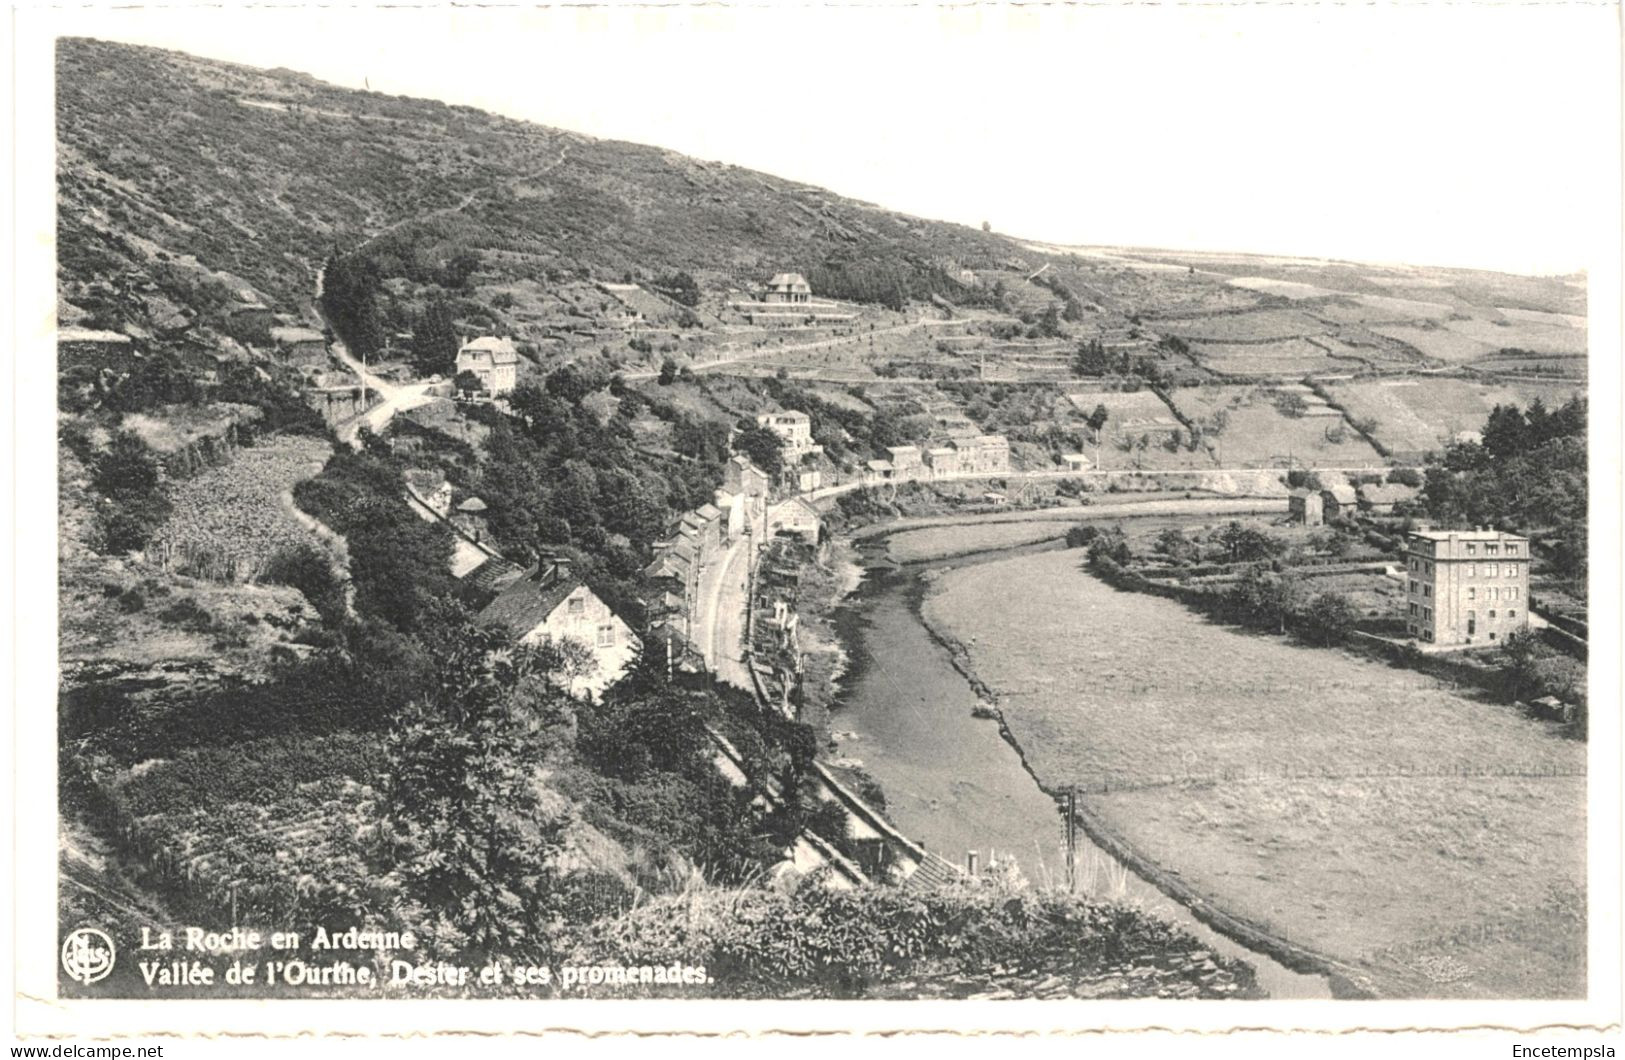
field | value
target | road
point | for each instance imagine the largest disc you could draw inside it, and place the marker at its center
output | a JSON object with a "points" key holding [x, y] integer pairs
{"points": [[719, 618], [1060, 473], [397, 397]]}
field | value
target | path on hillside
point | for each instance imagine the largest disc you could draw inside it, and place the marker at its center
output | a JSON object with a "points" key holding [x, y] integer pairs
{"points": [[1062, 473], [768, 354]]}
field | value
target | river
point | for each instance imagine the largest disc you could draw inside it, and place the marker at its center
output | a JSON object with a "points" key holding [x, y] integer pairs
{"points": [[950, 779]]}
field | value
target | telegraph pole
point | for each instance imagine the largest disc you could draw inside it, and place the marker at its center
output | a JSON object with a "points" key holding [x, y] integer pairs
{"points": [[1071, 840]]}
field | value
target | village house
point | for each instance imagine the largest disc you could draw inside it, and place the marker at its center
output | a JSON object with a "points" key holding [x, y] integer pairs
{"points": [[741, 476], [942, 460], [296, 345], [1338, 501], [1465, 586], [550, 605], [493, 360], [984, 454], [906, 463], [794, 429], [1304, 508], [1380, 499], [1076, 461], [877, 472], [788, 287], [797, 516]]}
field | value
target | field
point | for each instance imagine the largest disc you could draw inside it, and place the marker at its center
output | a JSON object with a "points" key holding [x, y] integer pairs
{"points": [[1256, 326], [1439, 343], [1416, 415], [1285, 357], [229, 520], [941, 542], [1255, 432], [1434, 842]]}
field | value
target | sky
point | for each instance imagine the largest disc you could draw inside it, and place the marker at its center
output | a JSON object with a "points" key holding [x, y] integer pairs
{"points": [[1476, 135]]}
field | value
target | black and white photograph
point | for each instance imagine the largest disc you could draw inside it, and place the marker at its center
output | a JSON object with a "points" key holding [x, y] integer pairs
{"points": [[1085, 504]]}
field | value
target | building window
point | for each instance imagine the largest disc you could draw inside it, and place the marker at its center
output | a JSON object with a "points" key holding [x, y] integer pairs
{"points": [[1427, 590], [1472, 549], [1492, 613], [1427, 614], [1413, 563], [577, 605], [1491, 570], [1472, 593], [1512, 570], [1472, 570], [1491, 550], [1413, 608], [606, 636], [1512, 550], [1512, 615]]}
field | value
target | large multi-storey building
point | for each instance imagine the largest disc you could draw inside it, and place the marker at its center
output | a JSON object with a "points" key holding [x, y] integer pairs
{"points": [[1465, 586], [794, 429]]}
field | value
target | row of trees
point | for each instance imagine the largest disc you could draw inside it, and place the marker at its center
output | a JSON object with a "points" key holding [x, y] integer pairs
{"points": [[1527, 474]]}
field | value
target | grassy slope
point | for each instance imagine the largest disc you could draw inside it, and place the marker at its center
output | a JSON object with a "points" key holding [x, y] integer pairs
{"points": [[1205, 737], [259, 174]]}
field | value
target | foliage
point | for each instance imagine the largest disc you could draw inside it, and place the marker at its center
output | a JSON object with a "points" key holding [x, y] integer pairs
{"points": [[434, 340], [464, 825], [1328, 619], [1528, 474], [350, 287], [764, 447], [308, 569], [133, 503]]}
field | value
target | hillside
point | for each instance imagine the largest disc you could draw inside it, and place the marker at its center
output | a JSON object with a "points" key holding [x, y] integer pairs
{"points": [[204, 177]]}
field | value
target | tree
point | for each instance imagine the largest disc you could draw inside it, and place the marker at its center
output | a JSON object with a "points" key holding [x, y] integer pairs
{"points": [[350, 288], [469, 383], [1328, 619], [133, 503], [459, 270], [683, 288], [765, 448], [434, 340], [1097, 420], [1247, 543], [668, 372], [464, 826], [1176, 546], [1091, 358]]}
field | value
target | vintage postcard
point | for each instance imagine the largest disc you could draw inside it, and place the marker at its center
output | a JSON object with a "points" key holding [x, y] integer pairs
{"points": [[975, 518]]}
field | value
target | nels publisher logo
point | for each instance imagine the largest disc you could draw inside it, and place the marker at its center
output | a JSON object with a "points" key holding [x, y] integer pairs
{"points": [[87, 955]]}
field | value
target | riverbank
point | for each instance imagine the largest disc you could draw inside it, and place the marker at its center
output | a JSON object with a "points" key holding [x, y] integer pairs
{"points": [[910, 720], [1220, 771]]}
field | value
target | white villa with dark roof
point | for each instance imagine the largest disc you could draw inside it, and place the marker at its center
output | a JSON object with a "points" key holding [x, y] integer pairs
{"points": [[494, 360], [789, 287], [548, 604]]}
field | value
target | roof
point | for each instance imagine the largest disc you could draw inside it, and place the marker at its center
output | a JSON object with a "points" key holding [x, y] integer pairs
{"points": [[1479, 534], [494, 575], [783, 414], [880, 465], [528, 602], [501, 351], [1391, 493], [787, 279], [941, 450], [1074, 458], [991, 439], [473, 504], [903, 450], [708, 511], [425, 478]]}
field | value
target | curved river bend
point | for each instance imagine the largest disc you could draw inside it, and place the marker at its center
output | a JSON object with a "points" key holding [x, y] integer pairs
{"points": [[951, 780]]}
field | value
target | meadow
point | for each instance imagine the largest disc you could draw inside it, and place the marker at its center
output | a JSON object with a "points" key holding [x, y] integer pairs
{"points": [[1432, 841], [1256, 432], [942, 542], [1416, 415]]}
